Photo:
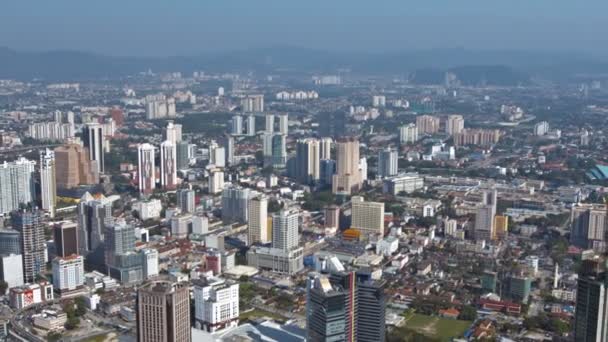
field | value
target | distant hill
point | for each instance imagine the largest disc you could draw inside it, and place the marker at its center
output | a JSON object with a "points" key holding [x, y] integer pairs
{"points": [[472, 67]]}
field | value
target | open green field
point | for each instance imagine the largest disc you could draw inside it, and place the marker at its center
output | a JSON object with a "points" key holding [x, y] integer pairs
{"points": [[437, 328]]}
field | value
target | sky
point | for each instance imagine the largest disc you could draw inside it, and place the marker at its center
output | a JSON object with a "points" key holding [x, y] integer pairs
{"points": [[187, 27]]}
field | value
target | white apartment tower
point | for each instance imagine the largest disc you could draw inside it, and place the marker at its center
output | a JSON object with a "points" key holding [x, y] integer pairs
{"points": [[146, 169]]}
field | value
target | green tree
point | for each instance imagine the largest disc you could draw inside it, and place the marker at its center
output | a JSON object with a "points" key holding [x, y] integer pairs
{"points": [[3, 287], [468, 313]]}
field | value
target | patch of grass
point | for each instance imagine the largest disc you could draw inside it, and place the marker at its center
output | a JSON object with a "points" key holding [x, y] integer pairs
{"points": [[437, 328]]}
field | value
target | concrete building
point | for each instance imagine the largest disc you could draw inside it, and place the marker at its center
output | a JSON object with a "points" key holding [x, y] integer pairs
{"points": [[250, 123], [348, 177], [326, 310], [367, 217], [588, 226], [234, 203], [65, 236], [146, 170], [252, 103], [454, 124], [325, 145], [11, 270], [237, 125], [30, 225], [403, 183], [186, 200], [168, 165], [94, 141], [590, 323], [285, 235], [332, 217], [10, 241], [93, 216], [216, 304], [478, 137], [308, 160], [216, 182], [269, 123], [408, 134], [16, 184], [276, 260], [173, 133], [484, 216], [48, 183], [149, 262], [257, 223], [284, 124], [68, 273], [163, 312], [73, 167], [427, 124], [388, 162]]}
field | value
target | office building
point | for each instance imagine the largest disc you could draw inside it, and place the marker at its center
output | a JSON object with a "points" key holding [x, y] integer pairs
{"points": [[454, 124], [327, 169], [94, 141], [367, 217], [237, 125], [276, 260], [10, 241], [371, 307], [186, 200], [347, 178], [200, 224], [252, 103], [163, 312], [183, 155], [590, 318], [173, 133], [403, 183], [250, 123], [48, 185], [73, 167], [332, 216], [168, 165], [588, 226], [484, 216], [257, 223], [387, 162], [216, 182], [65, 237], [408, 134], [146, 170], [11, 269], [149, 262], [325, 145], [30, 294], [216, 304], [427, 124], [269, 123], [228, 145], [285, 235], [181, 225], [519, 287], [30, 225], [325, 310], [16, 184], [307, 164], [93, 216], [234, 204], [68, 273], [121, 260], [284, 124]]}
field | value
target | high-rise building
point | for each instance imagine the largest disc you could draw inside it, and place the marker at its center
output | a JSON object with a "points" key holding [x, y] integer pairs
{"points": [[149, 262], [33, 246], [10, 242], [257, 223], [325, 310], [408, 134], [48, 187], [591, 317], [237, 125], [484, 216], [325, 148], [501, 226], [158, 106], [269, 123], [116, 114], [479, 137], [68, 273], [119, 240], [588, 226], [173, 132], [163, 312], [65, 237], [307, 161], [252, 103], [234, 204], [427, 124], [73, 167], [327, 169], [228, 143], [94, 141], [182, 155], [146, 170], [387, 162], [168, 165], [11, 269], [379, 101], [16, 184], [367, 217], [216, 304], [454, 124], [371, 306], [217, 155], [285, 235], [186, 200], [284, 124], [347, 178], [93, 216], [216, 182], [250, 125], [332, 217]]}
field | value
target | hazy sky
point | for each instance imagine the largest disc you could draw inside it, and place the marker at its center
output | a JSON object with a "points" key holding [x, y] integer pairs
{"points": [[164, 27]]}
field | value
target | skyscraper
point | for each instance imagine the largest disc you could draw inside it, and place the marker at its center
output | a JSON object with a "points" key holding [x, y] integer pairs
{"points": [[48, 187], [16, 184], [325, 310], [216, 304], [325, 148], [367, 217], [182, 159], [250, 125], [119, 239], [588, 226], [269, 123], [427, 124], [163, 312], [307, 161], [146, 169], [285, 235], [168, 165], [186, 200], [229, 148], [408, 134], [371, 308], [591, 317], [65, 237], [94, 141], [253, 103], [33, 247], [93, 216], [234, 204], [68, 273], [454, 124], [484, 217], [217, 155], [74, 167], [257, 223], [284, 124], [347, 178], [387, 162], [237, 125], [216, 181], [173, 132]]}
